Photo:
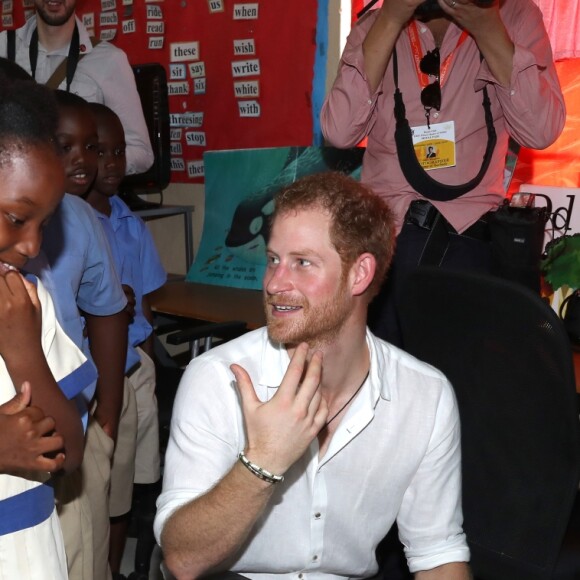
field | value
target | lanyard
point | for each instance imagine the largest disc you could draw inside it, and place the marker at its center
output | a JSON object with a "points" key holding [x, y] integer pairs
{"points": [[418, 55], [72, 58], [416, 176]]}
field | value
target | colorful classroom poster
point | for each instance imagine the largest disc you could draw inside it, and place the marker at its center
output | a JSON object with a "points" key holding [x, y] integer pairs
{"points": [[240, 186]]}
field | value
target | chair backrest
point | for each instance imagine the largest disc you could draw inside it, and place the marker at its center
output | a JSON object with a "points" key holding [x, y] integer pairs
{"points": [[510, 362]]}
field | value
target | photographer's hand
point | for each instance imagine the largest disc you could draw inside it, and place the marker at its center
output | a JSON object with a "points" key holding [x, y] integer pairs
{"points": [[381, 38], [399, 11], [484, 23]]}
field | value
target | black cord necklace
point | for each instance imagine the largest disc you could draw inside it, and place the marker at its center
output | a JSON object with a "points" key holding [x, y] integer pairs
{"points": [[348, 402]]}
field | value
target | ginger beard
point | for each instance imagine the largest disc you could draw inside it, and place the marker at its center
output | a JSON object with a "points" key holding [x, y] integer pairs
{"points": [[317, 325]]}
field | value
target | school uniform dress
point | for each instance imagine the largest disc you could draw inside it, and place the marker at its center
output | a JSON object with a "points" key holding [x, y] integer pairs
{"points": [[77, 267], [31, 543], [139, 266]]}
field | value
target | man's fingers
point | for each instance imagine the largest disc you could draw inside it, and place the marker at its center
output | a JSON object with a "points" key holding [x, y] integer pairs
{"points": [[244, 385], [293, 377], [318, 409], [321, 415], [311, 381], [19, 402]]}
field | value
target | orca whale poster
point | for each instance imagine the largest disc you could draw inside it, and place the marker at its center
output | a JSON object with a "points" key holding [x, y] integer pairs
{"points": [[240, 186]]}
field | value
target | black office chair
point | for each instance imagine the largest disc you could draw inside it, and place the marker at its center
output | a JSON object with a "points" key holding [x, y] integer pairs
{"points": [[510, 362], [200, 336]]}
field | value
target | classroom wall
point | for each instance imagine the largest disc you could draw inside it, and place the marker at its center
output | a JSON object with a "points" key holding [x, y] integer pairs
{"points": [[199, 42], [168, 232]]}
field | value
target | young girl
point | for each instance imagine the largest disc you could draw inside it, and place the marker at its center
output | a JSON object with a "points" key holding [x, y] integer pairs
{"points": [[34, 351]]}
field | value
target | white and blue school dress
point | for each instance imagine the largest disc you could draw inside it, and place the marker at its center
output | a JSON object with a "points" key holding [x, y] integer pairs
{"points": [[31, 544]]}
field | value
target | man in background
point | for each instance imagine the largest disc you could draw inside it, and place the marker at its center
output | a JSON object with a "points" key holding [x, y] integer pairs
{"points": [[443, 60], [97, 71]]}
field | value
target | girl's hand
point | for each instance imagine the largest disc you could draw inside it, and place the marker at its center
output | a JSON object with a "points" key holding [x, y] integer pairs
{"points": [[26, 435], [20, 316]]}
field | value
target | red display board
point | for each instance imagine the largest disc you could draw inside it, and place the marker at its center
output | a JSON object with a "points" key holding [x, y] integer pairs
{"points": [[265, 50], [559, 164]]}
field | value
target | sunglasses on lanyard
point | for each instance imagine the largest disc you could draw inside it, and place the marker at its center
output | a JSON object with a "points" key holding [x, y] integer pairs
{"points": [[430, 65]]}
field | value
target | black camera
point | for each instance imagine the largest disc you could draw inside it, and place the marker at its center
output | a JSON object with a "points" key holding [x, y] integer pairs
{"points": [[428, 8], [431, 8]]}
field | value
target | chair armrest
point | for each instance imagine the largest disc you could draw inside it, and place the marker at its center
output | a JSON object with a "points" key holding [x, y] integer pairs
{"points": [[225, 330]]}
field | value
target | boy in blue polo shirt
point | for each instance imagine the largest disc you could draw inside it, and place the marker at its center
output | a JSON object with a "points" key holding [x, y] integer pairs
{"points": [[139, 267]]}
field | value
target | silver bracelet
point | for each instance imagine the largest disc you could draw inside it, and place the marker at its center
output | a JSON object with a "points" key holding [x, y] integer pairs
{"points": [[258, 471]]}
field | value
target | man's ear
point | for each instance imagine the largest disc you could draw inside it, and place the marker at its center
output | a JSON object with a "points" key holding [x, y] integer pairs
{"points": [[362, 273]]}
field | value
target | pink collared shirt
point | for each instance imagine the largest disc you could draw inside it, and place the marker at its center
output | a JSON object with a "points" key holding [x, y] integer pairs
{"points": [[531, 110]]}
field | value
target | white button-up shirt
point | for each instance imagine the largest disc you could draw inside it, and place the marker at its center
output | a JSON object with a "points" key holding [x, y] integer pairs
{"points": [[395, 455]]}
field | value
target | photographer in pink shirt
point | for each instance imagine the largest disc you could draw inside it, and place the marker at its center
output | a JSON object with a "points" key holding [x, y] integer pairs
{"points": [[445, 58]]}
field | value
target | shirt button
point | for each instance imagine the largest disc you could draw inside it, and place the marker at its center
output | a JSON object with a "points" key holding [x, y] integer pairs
{"points": [[317, 515], [512, 92], [300, 575], [314, 558], [436, 115], [370, 102]]}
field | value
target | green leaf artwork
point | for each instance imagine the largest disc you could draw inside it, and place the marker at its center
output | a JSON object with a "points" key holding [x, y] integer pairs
{"points": [[561, 262]]}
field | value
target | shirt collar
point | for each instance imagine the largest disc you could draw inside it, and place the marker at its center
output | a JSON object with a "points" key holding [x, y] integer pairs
{"points": [[275, 361], [273, 365], [119, 208], [380, 362]]}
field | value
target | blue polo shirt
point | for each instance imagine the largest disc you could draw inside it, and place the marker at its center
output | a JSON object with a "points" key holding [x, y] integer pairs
{"points": [[77, 268], [138, 265]]}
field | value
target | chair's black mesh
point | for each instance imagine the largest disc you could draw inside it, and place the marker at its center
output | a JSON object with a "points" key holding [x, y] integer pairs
{"points": [[509, 360]]}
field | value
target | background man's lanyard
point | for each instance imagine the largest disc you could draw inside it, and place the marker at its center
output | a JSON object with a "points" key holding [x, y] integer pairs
{"points": [[418, 55], [72, 59]]}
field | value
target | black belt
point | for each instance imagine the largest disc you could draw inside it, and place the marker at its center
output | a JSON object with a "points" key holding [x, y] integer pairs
{"points": [[424, 214]]}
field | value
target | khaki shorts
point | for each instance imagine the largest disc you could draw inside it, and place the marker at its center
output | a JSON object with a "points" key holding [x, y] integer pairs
{"points": [[123, 462], [147, 459], [83, 507]]}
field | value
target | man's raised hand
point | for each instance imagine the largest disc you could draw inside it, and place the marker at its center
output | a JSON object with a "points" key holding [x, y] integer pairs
{"points": [[280, 430]]}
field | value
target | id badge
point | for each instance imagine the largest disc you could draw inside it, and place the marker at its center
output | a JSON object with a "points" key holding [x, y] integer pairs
{"points": [[435, 145]]}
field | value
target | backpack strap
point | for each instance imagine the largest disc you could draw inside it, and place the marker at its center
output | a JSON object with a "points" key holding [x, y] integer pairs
{"points": [[11, 45], [60, 72]]}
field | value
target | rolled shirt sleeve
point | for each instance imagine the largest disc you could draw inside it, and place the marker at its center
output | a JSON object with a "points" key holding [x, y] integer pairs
{"points": [[533, 104], [430, 519]]}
